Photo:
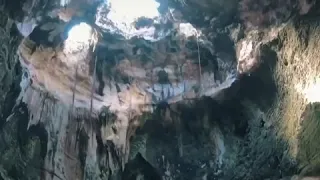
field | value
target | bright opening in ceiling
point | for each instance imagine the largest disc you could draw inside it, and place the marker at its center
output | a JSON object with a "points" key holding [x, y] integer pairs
{"points": [[80, 33], [188, 30], [127, 11], [79, 40], [123, 13]]}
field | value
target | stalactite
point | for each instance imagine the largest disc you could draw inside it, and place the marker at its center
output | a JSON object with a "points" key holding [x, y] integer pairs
{"points": [[92, 94], [152, 84], [199, 62], [74, 88], [72, 113]]}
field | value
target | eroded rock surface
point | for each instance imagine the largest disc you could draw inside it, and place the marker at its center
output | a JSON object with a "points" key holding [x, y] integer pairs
{"points": [[203, 90]]}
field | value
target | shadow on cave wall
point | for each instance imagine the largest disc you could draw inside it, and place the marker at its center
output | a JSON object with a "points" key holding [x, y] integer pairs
{"points": [[21, 147], [191, 127], [12, 95], [260, 152], [139, 167], [12, 78], [187, 128], [260, 86]]}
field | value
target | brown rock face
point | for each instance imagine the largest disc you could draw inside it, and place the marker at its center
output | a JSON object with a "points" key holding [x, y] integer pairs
{"points": [[207, 90]]}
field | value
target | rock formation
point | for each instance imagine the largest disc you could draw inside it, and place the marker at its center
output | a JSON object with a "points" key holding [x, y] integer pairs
{"points": [[193, 90]]}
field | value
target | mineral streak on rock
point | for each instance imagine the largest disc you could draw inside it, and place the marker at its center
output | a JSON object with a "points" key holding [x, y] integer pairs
{"points": [[198, 90]]}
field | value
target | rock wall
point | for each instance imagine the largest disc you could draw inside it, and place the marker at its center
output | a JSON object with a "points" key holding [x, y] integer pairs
{"points": [[20, 147], [261, 124]]}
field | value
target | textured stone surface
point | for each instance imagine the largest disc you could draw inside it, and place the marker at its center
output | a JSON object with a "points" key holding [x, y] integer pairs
{"points": [[151, 110]]}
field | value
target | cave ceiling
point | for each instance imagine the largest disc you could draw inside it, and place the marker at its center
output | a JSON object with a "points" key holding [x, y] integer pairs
{"points": [[127, 82], [96, 53]]}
